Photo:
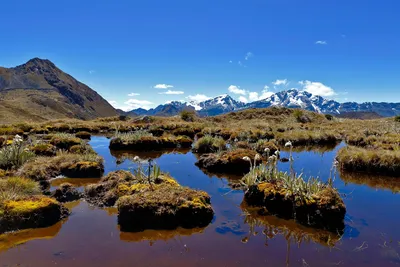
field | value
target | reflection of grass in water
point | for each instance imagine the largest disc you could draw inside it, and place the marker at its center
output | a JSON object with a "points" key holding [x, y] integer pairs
{"points": [[76, 182], [14, 239], [122, 155], [312, 148], [158, 235], [293, 232], [374, 181]]}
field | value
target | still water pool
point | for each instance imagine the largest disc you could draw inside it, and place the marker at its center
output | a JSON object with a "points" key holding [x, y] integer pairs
{"points": [[236, 237]]}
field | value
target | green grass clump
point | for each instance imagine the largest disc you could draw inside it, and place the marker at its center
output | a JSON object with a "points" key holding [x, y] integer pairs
{"points": [[15, 155], [370, 160], [64, 140], [188, 115], [13, 188], [208, 143], [64, 163]]}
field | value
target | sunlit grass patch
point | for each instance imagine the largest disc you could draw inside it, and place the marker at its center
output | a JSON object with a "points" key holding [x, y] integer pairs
{"points": [[208, 144]]}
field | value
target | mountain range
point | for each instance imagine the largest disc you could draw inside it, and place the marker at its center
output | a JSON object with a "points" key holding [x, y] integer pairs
{"points": [[38, 90], [290, 98]]}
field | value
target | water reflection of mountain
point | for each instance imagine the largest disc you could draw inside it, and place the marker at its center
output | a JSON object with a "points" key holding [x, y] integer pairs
{"points": [[122, 155], [293, 232], [158, 235], [14, 239], [374, 181]]}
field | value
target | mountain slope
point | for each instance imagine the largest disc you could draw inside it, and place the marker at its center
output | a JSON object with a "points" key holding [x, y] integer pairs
{"points": [[38, 90]]}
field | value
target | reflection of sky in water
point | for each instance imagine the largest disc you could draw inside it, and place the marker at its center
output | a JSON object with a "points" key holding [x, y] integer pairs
{"points": [[233, 238]]}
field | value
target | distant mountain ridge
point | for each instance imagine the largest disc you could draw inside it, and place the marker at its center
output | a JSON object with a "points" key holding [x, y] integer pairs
{"points": [[292, 98], [38, 90]]}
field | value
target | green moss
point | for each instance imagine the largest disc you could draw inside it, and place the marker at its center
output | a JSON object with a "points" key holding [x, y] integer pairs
{"points": [[43, 149]]}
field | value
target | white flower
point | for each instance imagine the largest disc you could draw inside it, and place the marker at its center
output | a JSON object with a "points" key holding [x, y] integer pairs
{"points": [[267, 150], [273, 158], [289, 144], [277, 153], [257, 157], [136, 158], [246, 158], [17, 139]]}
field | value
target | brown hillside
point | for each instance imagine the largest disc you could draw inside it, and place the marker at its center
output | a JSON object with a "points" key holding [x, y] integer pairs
{"points": [[38, 90]]}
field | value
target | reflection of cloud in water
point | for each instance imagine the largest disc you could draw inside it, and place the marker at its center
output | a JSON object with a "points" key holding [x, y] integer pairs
{"points": [[289, 229], [374, 181], [14, 239], [158, 235], [230, 227]]}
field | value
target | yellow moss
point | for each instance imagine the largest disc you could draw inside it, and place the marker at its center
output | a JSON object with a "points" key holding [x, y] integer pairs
{"points": [[9, 142], [2, 173], [170, 181], [26, 206]]}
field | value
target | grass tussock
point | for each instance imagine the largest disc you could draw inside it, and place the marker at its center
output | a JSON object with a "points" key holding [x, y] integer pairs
{"points": [[377, 161], [64, 163], [143, 140], [208, 144], [64, 140]]}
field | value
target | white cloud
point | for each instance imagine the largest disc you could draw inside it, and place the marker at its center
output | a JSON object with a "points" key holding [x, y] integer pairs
{"points": [[321, 42], [169, 92], [91, 71], [317, 88], [253, 96], [230, 61], [133, 94], [243, 99], [266, 87], [136, 103], [163, 86], [236, 90], [198, 98], [280, 82], [113, 103], [248, 56]]}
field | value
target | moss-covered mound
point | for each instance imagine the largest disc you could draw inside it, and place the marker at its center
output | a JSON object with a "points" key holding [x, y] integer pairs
{"points": [[151, 143], [165, 208], [44, 149], [228, 161], [66, 193], [163, 204], [65, 142], [377, 161], [262, 146], [323, 210], [83, 135], [30, 212], [66, 164]]}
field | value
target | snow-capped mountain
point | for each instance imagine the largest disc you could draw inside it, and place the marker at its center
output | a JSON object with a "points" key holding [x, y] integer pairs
{"points": [[291, 99]]}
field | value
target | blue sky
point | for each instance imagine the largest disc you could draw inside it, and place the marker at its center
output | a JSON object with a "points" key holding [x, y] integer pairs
{"points": [[344, 50]]}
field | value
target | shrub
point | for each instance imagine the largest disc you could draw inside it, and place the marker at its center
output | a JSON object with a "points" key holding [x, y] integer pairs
{"points": [[329, 117], [188, 115], [208, 144]]}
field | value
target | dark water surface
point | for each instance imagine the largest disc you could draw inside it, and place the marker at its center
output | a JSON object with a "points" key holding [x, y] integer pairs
{"points": [[236, 237]]}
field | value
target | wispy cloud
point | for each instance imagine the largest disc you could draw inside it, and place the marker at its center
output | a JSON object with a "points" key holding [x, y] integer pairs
{"points": [[236, 90], [321, 42], [317, 88], [230, 61], [280, 82], [197, 98], [248, 56], [240, 63], [92, 71], [243, 99], [170, 92], [133, 94], [163, 86], [136, 103]]}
